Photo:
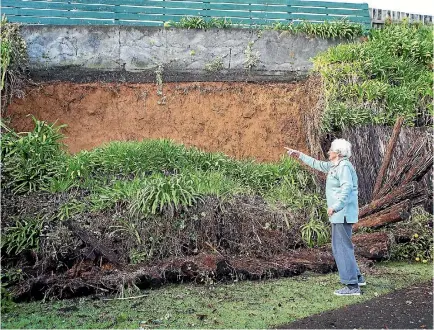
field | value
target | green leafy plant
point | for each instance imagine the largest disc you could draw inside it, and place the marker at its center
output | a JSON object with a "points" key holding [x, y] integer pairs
{"points": [[23, 235], [104, 197], [251, 58], [215, 66], [127, 227], [164, 191], [58, 185], [197, 22], [70, 208], [31, 159], [340, 29], [343, 28], [315, 233]]}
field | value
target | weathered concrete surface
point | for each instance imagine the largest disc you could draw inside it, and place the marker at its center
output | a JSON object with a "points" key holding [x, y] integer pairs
{"points": [[122, 53]]}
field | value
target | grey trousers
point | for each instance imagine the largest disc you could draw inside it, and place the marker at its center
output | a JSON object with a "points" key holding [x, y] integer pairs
{"points": [[343, 252]]}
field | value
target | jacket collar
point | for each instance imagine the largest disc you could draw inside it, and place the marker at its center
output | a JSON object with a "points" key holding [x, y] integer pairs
{"points": [[340, 160]]}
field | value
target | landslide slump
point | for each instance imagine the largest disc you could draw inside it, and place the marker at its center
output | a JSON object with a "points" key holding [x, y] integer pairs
{"points": [[242, 120], [240, 238], [88, 241]]}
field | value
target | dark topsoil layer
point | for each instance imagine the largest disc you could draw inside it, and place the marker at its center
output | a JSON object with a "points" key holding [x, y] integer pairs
{"points": [[409, 308]]}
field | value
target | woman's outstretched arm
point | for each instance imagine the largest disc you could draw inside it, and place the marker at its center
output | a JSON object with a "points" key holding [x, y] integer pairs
{"points": [[312, 162]]}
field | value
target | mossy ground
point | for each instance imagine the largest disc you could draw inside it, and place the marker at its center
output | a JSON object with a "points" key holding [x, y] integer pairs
{"points": [[237, 305]]}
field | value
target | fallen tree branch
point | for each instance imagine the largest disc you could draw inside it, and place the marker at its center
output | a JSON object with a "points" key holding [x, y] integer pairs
{"points": [[93, 242]]}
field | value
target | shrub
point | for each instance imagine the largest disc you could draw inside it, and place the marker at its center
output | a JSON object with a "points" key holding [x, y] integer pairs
{"points": [[374, 82], [420, 246]]}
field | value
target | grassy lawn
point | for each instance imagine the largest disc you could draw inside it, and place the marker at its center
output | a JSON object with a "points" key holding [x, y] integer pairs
{"points": [[235, 305]]}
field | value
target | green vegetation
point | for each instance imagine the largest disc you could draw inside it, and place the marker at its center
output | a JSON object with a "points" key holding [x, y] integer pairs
{"points": [[153, 181], [328, 30], [375, 81], [24, 235], [248, 304], [31, 159], [171, 172], [13, 62], [420, 247], [193, 22], [215, 66], [342, 29]]}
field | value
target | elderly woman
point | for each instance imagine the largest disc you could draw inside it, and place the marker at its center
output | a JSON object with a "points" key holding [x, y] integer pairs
{"points": [[342, 204]]}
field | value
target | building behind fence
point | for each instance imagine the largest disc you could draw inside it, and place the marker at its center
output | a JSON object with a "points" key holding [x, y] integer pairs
{"points": [[380, 16]]}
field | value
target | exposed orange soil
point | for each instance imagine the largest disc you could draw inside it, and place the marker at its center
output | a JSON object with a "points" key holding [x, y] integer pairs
{"points": [[242, 120]]}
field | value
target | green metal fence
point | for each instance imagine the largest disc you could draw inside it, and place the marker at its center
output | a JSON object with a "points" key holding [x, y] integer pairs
{"points": [[156, 12]]}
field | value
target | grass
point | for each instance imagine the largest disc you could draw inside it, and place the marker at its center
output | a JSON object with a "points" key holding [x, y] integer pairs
{"points": [[237, 305]]}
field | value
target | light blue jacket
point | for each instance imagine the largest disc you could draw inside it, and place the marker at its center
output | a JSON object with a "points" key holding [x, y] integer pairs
{"points": [[341, 188]]}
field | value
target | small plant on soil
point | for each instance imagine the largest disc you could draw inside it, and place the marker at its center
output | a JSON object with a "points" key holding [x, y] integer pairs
{"points": [[215, 66], [251, 58], [192, 22]]}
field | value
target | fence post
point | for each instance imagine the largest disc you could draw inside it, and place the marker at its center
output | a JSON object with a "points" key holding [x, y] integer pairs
{"points": [[116, 11]]}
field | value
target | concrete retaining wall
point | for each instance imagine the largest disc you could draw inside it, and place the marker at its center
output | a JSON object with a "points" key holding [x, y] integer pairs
{"points": [[144, 54]]}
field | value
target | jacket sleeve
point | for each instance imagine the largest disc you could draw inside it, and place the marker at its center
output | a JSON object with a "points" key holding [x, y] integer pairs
{"points": [[346, 182], [315, 163]]}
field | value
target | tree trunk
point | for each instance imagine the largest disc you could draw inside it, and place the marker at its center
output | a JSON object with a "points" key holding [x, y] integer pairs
{"points": [[387, 156], [408, 191], [395, 213], [374, 246]]}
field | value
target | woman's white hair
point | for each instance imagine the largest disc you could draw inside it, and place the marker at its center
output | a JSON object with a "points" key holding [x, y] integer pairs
{"points": [[341, 147]]}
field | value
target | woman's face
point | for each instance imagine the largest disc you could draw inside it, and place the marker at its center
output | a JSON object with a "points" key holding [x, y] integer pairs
{"points": [[333, 155]]}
